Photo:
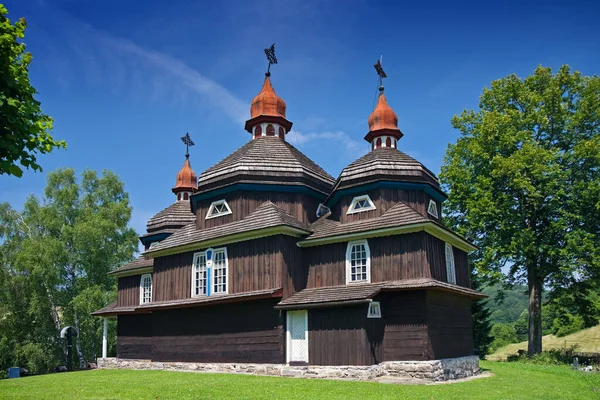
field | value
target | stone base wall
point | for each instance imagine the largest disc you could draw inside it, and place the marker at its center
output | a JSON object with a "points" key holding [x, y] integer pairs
{"points": [[433, 371]]}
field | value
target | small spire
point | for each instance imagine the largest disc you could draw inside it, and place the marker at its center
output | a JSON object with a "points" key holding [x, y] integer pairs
{"points": [[381, 73], [187, 140], [270, 53]]}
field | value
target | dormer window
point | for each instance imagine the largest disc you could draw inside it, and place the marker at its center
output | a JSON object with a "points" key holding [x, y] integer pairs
{"points": [[322, 210], [358, 262], [218, 209], [360, 204], [146, 289], [374, 310], [432, 209]]}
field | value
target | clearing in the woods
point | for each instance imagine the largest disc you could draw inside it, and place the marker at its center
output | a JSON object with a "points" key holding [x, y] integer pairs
{"points": [[509, 381]]}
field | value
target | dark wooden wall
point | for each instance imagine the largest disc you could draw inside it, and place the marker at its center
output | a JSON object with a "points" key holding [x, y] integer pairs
{"points": [[450, 327], [250, 332], [264, 263], [344, 336], [383, 199], [134, 336], [300, 206], [405, 326], [436, 259], [128, 291]]}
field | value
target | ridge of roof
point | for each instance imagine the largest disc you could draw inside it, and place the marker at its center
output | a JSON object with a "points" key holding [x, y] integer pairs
{"points": [[138, 263], [266, 215], [177, 214]]}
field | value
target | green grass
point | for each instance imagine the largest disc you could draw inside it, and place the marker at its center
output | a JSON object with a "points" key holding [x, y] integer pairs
{"points": [[510, 381], [587, 340]]}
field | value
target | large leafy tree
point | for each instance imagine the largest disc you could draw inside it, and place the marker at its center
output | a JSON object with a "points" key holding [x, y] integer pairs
{"points": [[24, 128], [54, 260], [524, 182]]}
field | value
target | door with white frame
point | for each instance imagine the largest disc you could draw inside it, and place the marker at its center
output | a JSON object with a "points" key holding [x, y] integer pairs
{"points": [[297, 336]]}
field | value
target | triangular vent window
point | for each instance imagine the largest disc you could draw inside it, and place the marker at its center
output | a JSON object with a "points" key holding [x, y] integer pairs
{"points": [[218, 209], [360, 204], [432, 209]]}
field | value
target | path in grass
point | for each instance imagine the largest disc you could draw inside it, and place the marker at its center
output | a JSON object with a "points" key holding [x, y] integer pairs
{"points": [[510, 381]]}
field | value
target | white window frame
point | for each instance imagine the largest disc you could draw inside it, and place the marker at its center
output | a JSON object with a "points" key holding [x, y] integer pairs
{"points": [[209, 265], [374, 310], [322, 209], [450, 266], [352, 208], [432, 209], [349, 261], [215, 204], [142, 288]]}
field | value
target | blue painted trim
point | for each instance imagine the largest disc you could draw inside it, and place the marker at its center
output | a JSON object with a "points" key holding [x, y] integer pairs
{"points": [[156, 237], [208, 281], [255, 187], [436, 194]]}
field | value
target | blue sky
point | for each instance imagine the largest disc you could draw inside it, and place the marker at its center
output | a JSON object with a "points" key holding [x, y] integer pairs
{"points": [[124, 80]]}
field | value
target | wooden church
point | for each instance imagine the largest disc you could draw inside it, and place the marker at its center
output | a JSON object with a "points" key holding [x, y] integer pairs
{"points": [[266, 258]]}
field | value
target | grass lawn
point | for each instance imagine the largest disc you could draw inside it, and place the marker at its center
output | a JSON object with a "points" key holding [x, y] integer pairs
{"points": [[511, 381], [587, 340]]}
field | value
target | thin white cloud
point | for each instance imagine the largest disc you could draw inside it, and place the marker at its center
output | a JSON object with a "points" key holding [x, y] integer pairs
{"points": [[341, 138]]}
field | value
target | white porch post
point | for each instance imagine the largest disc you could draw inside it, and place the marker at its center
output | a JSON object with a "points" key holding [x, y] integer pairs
{"points": [[104, 341]]}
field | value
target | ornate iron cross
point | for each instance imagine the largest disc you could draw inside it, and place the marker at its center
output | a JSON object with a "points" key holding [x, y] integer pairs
{"points": [[187, 140], [270, 53], [380, 72]]}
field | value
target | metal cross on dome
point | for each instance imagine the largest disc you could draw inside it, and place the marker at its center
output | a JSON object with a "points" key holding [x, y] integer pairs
{"points": [[381, 73], [270, 53], [187, 140]]}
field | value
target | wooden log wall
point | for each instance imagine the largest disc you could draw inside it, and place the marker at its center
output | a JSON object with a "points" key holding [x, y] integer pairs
{"points": [[134, 336], [249, 332], [450, 327], [384, 199], [300, 206], [344, 336], [436, 259], [128, 291]]}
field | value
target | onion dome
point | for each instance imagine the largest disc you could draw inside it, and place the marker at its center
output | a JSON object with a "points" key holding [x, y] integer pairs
{"points": [[383, 125], [186, 182], [267, 114]]}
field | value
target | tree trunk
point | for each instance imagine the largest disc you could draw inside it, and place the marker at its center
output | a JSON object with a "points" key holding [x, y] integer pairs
{"points": [[534, 345]]}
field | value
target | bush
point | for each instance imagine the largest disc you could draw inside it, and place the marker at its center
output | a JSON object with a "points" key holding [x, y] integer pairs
{"points": [[566, 324], [552, 356]]}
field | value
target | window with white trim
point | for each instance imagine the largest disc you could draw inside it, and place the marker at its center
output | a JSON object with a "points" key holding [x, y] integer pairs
{"points": [[374, 310], [360, 204], [322, 210], [432, 209], [218, 209], [450, 270], [210, 272], [146, 288], [358, 262]]}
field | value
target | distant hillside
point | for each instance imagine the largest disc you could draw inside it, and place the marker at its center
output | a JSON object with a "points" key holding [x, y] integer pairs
{"points": [[510, 309], [588, 340]]}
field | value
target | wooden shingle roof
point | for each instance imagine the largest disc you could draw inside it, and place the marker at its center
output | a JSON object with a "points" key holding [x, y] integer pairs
{"points": [[176, 215], [267, 215], [268, 160], [398, 215], [323, 296], [138, 263], [385, 164]]}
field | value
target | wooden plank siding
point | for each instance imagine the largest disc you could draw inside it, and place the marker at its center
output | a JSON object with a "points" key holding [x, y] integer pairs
{"points": [[450, 327], [134, 336], [264, 263], [384, 199], [128, 291], [249, 332], [344, 336], [436, 259], [300, 206]]}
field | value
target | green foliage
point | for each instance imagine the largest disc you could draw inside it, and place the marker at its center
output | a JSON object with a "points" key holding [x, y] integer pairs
{"points": [[24, 129], [502, 334], [482, 338], [54, 260], [521, 381], [566, 323], [524, 183], [547, 357], [521, 326], [506, 303]]}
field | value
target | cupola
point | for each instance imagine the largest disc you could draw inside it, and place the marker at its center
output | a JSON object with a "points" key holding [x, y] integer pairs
{"points": [[383, 121], [267, 112], [186, 182]]}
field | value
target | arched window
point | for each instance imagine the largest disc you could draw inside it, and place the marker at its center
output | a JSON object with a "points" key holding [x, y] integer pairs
{"points": [[178, 196], [270, 130], [258, 131], [388, 142], [209, 272], [281, 132], [146, 289], [450, 270], [378, 143], [358, 262], [185, 196]]}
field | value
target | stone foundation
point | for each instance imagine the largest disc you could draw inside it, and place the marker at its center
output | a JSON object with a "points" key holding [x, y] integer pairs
{"points": [[431, 371]]}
